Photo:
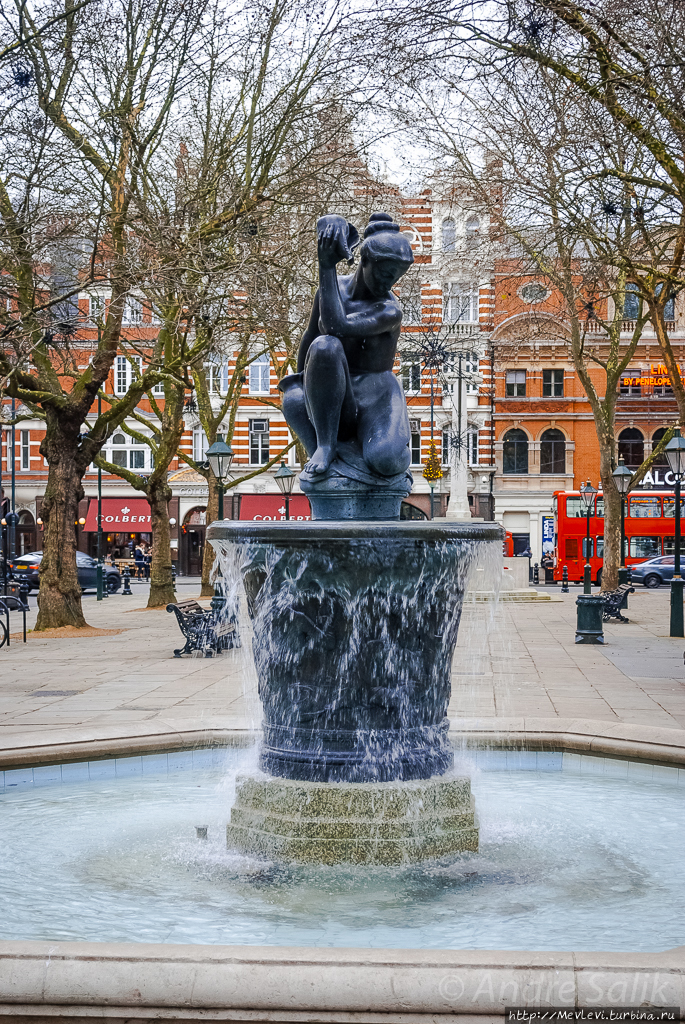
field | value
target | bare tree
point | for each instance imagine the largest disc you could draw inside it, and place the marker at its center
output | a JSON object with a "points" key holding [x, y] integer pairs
{"points": [[105, 79]]}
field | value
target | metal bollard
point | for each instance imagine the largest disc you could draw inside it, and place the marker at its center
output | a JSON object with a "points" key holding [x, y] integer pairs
{"points": [[127, 592], [564, 580], [24, 589], [536, 574], [99, 575], [173, 574]]}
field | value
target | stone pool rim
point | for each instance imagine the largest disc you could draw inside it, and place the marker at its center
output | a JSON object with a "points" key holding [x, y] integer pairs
{"points": [[54, 981], [139, 981], [624, 741]]}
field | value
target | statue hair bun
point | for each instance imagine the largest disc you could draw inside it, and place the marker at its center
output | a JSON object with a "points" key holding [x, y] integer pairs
{"points": [[380, 222]]}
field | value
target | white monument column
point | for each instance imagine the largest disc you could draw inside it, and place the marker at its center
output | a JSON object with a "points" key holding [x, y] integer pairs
{"points": [[458, 507]]}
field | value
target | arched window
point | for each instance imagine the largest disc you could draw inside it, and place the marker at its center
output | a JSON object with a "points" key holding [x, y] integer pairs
{"points": [[669, 308], [515, 452], [552, 452], [631, 305], [449, 235], [472, 227], [656, 437], [631, 445], [260, 369]]}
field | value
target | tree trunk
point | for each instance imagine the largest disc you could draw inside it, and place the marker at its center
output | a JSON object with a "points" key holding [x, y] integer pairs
{"points": [[161, 583], [612, 535], [207, 590], [59, 597]]}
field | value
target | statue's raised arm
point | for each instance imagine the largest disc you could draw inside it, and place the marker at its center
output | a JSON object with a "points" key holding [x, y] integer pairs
{"points": [[345, 403]]}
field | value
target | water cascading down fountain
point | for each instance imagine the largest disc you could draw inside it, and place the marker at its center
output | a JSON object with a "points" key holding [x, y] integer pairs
{"points": [[355, 614]]}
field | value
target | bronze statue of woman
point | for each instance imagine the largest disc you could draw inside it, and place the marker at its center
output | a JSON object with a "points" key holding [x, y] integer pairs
{"points": [[345, 403]]}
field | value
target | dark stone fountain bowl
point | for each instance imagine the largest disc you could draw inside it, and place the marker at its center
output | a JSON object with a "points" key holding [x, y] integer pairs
{"points": [[355, 625]]}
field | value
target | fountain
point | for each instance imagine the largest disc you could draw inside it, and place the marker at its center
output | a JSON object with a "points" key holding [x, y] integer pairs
{"points": [[355, 614], [120, 896]]}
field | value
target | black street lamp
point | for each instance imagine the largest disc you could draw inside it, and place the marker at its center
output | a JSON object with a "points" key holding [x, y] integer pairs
{"points": [[587, 495], [675, 453], [220, 457], [622, 477], [285, 478]]}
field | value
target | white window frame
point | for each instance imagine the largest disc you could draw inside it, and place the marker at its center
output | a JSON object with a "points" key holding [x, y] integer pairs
{"points": [[459, 303], [415, 429], [133, 311], [123, 373], [259, 381], [217, 373], [25, 449], [408, 374], [472, 435], [96, 308], [445, 447], [260, 434], [448, 235], [130, 448], [200, 444]]}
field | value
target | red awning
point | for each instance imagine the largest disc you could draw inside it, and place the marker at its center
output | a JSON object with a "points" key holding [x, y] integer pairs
{"points": [[266, 507], [120, 515]]}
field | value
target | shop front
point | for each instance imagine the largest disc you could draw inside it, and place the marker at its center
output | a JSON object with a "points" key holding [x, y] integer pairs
{"points": [[125, 523], [192, 539], [271, 508]]}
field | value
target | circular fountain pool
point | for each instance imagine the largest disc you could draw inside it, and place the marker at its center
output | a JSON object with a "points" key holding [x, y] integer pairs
{"points": [[575, 853]]}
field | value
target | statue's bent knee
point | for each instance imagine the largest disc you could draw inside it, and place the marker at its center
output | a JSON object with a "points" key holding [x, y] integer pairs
{"points": [[326, 345], [388, 460]]}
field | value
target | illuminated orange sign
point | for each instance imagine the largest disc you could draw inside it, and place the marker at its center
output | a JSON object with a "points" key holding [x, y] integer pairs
{"points": [[657, 377]]}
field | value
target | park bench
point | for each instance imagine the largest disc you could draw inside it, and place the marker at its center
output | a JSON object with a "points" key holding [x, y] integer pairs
{"points": [[614, 600], [203, 630]]}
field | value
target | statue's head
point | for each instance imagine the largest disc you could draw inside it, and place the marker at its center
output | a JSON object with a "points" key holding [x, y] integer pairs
{"points": [[385, 254]]}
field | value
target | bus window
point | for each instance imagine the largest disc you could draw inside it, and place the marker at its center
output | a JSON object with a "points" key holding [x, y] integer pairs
{"points": [[574, 508], [599, 506], [645, 547], [571, 548], [600, 547], [645, 507], [669, 546], [669, 507]]}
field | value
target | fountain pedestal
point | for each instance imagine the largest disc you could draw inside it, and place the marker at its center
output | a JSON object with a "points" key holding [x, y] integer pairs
{"points": [[379, 823], [355, 625]]}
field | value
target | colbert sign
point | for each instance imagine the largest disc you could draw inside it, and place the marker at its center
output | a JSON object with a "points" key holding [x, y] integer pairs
{"points": [[120, 515], [271, 507]]}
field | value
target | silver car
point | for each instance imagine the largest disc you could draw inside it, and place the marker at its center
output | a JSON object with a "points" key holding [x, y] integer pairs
{"points": [[655, 571]]}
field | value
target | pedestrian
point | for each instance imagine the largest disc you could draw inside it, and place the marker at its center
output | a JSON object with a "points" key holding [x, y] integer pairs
{"points": [[139, 558], [547, 563], [147, 554]]}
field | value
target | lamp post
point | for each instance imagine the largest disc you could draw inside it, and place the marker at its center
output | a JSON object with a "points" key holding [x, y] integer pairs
{"points": [[285, 478], [220, 457], [587, 494], [675, 453], [12, 517], [622, 477]]}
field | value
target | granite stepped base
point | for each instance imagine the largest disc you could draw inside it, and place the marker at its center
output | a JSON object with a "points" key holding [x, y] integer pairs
{"points": [[376, 823]]}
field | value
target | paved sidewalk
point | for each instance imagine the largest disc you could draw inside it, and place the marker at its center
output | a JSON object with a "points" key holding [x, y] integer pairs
{"points": [[519, 660]]}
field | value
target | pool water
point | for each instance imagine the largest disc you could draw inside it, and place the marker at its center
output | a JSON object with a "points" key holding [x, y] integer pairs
{"points": [[567, 860]]}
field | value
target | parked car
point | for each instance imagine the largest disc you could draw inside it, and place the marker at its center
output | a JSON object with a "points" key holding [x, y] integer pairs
{"points": [[29, 565], [654, 571]]}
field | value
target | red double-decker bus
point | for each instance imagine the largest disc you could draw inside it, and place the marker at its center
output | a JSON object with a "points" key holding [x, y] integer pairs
{"points": [[650, 530]]}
